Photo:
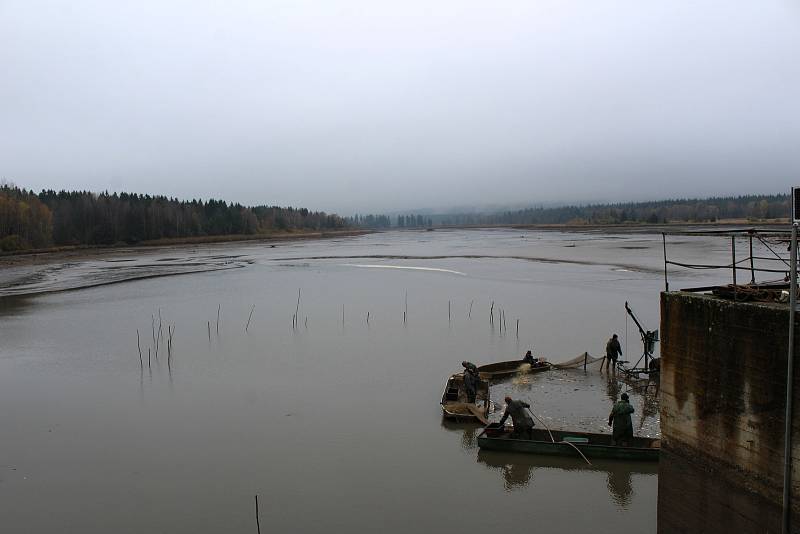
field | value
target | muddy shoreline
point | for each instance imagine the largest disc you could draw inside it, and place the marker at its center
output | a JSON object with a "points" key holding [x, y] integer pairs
{"points": [[79, 253]]}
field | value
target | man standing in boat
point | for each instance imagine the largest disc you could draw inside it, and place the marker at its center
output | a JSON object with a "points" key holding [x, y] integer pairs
{"points": [[613, 349], [471, 381], [620, 418], [523, 424]]}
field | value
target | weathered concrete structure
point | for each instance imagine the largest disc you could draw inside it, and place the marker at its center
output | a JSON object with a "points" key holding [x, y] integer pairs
{"points": [[723, 390]]}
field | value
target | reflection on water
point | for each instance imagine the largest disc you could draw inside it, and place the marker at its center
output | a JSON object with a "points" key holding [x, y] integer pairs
{"points": [[613, 388], [14, 306], [468, 432], [519, 470]]}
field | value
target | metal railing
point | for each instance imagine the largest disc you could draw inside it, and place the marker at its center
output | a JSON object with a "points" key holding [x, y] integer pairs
{"points": [[774, 243]]}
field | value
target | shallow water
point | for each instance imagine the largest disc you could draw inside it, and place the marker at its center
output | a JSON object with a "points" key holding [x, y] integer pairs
{"points": [[334, 423]]}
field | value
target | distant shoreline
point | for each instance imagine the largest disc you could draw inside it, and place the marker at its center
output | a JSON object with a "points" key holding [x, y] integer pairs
{"points": [[771, 224], [79, 252]]}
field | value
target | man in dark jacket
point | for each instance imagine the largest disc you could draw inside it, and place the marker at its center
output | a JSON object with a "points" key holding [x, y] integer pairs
{"points": [[612, 350], [529, 359], [471, 381], [620, 418], [523, 424]]}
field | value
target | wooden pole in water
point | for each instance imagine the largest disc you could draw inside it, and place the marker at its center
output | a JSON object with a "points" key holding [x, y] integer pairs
{"points": [[139, 345], [517, 328], [158, 339], [148, 358], [491, 314], [250, 317], [585, 357], [469, 315], [297, 308], [219, 307], [342, 315], [448, 311], [367, 317], [258, 525], [209, 331], [405, 311]]}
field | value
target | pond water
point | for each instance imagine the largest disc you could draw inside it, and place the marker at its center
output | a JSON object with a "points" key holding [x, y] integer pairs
{"points": [[331, 419]]}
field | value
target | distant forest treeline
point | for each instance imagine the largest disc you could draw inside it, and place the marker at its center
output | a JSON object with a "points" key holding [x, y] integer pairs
{"points": [[752, 207], [30, 220]]}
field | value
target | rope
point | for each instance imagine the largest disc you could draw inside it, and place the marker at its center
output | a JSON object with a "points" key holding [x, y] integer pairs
{"points": [[553, 439], [543, 423], [770, 249], [577, 449]]}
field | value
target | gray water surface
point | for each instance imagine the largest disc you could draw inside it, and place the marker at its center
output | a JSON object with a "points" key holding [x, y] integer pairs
{"points": [[334, 423]]}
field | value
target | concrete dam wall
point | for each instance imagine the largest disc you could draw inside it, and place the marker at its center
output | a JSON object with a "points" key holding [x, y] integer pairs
{"points": [[723, 391]]}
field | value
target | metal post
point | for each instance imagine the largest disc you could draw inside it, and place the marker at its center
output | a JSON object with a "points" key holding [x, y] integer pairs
{"points": [[787, 440], [666, 280], [752, 266]]}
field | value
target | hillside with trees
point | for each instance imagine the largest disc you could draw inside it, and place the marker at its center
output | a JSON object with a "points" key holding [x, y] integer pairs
{"points": [[69, 218]]}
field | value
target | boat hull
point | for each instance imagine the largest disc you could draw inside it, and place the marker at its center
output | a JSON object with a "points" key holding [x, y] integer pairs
{"points": [[497, 370], [454, 401], [596, 446]]}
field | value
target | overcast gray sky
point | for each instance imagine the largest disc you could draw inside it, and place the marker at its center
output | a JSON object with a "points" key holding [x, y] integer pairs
{"points": [[370, 106]]}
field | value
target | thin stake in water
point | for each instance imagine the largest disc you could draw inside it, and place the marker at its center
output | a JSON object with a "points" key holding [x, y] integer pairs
{"points": [[139, 346], [250, 317], [469, 316], [297, 308], [219, 307]]}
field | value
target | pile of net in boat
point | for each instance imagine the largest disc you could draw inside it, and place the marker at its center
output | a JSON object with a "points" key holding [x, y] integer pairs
{"points": [[577, 363]]}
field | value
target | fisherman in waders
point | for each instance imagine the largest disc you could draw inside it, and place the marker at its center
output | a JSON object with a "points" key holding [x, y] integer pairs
{"points": [[471, 381], [523, 424], [620, 418], [612, 350]]}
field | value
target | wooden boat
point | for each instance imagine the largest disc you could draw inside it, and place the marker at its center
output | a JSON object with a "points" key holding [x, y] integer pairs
{"points": [[455, 405], [493, 371], [590, 444]]}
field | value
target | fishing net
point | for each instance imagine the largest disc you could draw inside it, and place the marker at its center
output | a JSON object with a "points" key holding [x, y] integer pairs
{"points": [[578, 362]]}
